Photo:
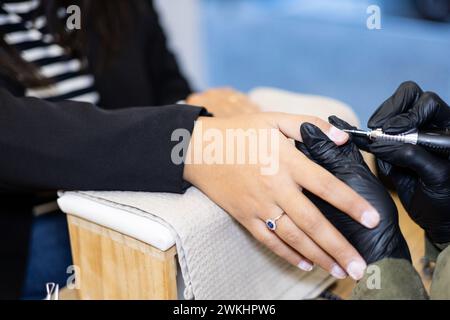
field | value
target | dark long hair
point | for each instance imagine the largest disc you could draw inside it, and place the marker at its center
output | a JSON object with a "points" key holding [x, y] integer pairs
{"points": [[110, 19]]}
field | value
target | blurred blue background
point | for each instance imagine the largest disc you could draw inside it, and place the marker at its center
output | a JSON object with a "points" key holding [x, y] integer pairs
{"points": [[324, 47]]}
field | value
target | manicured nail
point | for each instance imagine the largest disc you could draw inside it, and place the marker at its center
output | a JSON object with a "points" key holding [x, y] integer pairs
{"points": [[337, 135], [356, 269], [305, 266], [338, 272], [370, 218]]}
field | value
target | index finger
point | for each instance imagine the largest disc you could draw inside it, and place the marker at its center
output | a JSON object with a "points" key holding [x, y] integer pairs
{"points": [[289, 125]]}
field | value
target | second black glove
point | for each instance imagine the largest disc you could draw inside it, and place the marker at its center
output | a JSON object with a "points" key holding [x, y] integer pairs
{"points": [[347, 164]]}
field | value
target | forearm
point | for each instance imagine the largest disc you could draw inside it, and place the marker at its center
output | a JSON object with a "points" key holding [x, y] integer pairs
{"points": [[72, 145]]}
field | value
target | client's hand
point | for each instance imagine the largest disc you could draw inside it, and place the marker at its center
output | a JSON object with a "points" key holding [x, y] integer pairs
{"points": [[347, 164], [303, 235], [422, 178], [223, 102]]}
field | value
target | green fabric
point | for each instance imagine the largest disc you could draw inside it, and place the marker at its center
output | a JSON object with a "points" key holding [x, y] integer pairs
{"points": [[440, 287], [396, 279], [390, 279]]}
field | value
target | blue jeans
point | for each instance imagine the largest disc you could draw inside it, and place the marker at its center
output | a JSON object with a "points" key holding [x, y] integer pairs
{"points": [[49, 255]]}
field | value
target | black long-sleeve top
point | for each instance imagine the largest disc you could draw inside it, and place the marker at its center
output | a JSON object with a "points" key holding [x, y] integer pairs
{"points": [[124, 143], [70, 145]]}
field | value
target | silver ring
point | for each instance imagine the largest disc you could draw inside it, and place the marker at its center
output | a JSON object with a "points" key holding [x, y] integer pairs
{"points": [[272, 223]]}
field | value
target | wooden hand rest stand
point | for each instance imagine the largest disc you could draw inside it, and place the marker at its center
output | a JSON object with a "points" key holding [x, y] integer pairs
{"points": [[116, 266]]}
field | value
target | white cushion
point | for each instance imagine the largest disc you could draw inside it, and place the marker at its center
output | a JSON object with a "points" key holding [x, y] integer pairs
{"points": [[138, 227]]}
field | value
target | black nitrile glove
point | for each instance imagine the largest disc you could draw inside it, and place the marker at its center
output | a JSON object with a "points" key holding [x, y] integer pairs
{"points": [[422, 178], [347, 164]]}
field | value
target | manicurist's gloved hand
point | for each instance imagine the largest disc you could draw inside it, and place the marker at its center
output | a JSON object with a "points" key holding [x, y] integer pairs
{"points": [[422, 178], [346, 163]]}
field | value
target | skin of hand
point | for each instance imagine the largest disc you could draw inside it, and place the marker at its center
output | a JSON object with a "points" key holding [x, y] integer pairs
{"points": [[223, 102], [421, 178], [303, 235], [347, 164]]}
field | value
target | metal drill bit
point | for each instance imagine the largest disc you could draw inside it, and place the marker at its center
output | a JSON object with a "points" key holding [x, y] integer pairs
{"points": [[360, 133]]}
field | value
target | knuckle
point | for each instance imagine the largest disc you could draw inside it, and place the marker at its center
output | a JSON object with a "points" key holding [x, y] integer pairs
{"points": [[293, 237], [327, 187], [316, 121], [409, 86], [430, 97], [260, 236], [268, 184], [246, 215], [271, 243], [342, 253], [321, 258], [271, 213], [311, 223], [409, 151]]}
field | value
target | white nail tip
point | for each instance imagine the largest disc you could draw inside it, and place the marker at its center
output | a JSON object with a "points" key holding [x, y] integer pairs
{"points": [[338, 272], [305, 266], [356, 269]]}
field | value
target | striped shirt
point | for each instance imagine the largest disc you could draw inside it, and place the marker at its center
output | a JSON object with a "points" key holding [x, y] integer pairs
{"points": [[25, 27]]}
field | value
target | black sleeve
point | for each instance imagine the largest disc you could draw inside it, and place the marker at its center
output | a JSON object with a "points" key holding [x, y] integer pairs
{"points": [[77, 146], [170, 84]]}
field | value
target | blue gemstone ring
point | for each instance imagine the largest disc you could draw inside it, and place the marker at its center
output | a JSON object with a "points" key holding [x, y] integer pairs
{"points": [[272, 223]]}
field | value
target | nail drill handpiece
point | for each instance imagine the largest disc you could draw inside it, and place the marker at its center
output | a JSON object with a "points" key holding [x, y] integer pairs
{"points": [[435, 141]]}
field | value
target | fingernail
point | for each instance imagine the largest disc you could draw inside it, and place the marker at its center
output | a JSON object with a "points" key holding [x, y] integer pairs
{"points": [[338, 272], [305, 266], [337, 135], [370, 218], [356, 269]]}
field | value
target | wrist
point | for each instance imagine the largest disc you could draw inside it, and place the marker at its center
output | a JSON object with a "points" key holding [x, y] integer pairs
{"points": [[193, 163]]}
